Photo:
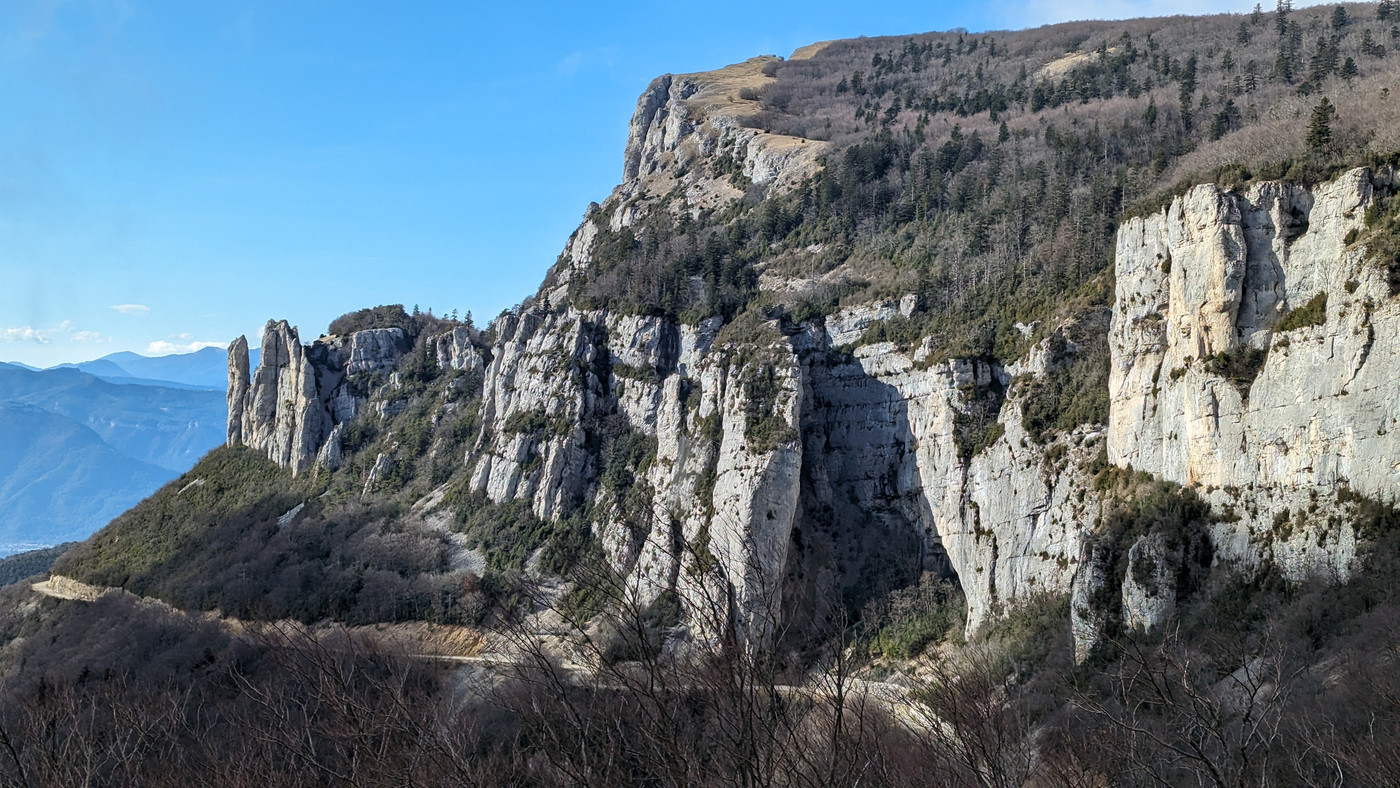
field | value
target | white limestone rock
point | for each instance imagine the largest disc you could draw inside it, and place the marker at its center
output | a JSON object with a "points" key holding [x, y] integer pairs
{"points": [[456, 349], [238, 383], [542, 375], [1320, 411], [281, 412], [382, 465], [1215, 272], [375, 350], [848, 325]]}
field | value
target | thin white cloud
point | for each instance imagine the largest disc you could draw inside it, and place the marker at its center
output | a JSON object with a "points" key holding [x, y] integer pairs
{"points": [[162, 347], [41, 336], [88, 336], [569, 66], [27, 334], [131, 309]]}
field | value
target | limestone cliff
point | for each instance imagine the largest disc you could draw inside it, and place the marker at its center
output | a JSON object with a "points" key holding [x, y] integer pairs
{"points": [[782, 469], [1218, 275], [281, 409], [1253, 357], [683, 119], [759, 434], [293, 405]]}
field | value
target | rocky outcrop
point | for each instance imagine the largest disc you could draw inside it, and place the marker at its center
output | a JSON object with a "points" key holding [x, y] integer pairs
{"points": [[542, 383], [281, 413], [293, 406], [723, 494], [875, 480], [1149, 586], [727, 486], [684, 118], [847, 326], [782, 470], [1263, 287], [1090, 607], [877, 485], [690, 149], [456, 349], [238, 384], [332, 454], [375, 351], [380, 469], [889, 485], [1253, 355]]}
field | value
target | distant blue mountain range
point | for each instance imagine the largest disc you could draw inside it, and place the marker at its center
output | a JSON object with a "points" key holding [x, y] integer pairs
{"points": [[81, 443], [60, 481], [206, 369]]}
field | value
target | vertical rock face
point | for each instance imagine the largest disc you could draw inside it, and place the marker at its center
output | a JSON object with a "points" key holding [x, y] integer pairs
{"points": [[541, 384], [292, 407], [888, 494], [1088, 606], [376, 350], [1149, 587], [237, 388], [1218, 274], [1027, 510], [646, 134], [757, 476], [680, 119], [281, 410], [723, 494], [786, 476], [457, 349]]}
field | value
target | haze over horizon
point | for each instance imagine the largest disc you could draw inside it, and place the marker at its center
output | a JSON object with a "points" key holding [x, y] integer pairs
{"points": [[175, 175]]}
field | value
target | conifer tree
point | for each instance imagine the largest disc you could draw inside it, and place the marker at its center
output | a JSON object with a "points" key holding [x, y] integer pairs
{"points": [[1369, 45], [1320, 125], [1281, 17]]}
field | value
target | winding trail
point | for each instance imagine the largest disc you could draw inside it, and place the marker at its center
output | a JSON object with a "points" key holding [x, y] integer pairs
{"points": [[894, 698], [60, 587]]}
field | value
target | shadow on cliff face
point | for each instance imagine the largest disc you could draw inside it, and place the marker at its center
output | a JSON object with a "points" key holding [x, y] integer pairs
{"points": [[864, 527]]}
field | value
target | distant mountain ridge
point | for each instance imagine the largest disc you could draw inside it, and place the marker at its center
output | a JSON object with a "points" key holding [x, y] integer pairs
{"points": [[83, 442], [59, 480], [162, 426], [205, 369]]}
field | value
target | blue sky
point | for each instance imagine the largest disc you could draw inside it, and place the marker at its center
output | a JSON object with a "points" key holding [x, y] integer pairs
{"points": [[174, 173]]}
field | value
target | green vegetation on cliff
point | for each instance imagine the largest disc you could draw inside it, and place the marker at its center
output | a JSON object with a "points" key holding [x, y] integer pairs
{"points": [[988, 173]]}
